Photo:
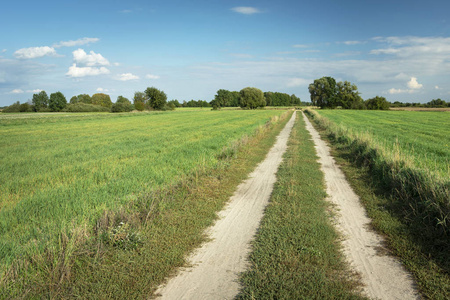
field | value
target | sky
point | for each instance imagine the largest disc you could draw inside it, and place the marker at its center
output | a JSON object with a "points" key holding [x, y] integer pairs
{"points": [[190, 49]]}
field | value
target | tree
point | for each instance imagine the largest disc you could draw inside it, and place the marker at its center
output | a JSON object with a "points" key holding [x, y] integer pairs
{"points": [[347, 96], [323, 92], [223, 98], [123, 100], [156, 98], [295, 100], [57, 101], [40, 101], [437, 103], [377, 103], [82, 98], [101, 100], [252, 98]]}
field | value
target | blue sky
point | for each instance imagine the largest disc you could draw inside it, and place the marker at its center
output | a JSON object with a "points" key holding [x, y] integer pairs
{"points": [[190, 49]]}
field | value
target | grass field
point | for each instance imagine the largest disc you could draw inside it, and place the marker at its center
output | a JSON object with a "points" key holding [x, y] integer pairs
{"points": [[397, 162], [421, 137], [63, 172]]}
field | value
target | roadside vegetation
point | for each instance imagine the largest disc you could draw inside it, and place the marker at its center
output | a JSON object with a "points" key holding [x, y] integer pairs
{"points": [[296, 253], [398, 164], [98, 206]]}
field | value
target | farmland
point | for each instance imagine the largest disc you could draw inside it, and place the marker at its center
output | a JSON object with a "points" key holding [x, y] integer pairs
{"points": [[61, 172], [420, 137]]}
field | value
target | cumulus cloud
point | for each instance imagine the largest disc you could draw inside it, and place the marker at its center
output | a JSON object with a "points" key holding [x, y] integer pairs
{"points": [[413, 84], [35, 52], [17, 91], [127, 76], [102, 90], [35, 91], [151, 76], [92, 59], [246, 10], [79, 42], [75, 71]]}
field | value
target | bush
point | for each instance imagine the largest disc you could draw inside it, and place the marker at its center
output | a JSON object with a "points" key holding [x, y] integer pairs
{"points": [[139, 106], [25, 107], [83, 107], [121, 107], [14, 108], [251, 98]]}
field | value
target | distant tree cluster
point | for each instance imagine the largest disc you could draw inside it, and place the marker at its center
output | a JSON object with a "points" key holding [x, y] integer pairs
{"points": [[435, 103], [327, 93], [151, 99], [281, 99]]}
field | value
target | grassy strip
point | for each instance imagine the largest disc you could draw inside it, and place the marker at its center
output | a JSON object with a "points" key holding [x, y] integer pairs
{"points": [[135, 247], [393, 206], [296, 254]]}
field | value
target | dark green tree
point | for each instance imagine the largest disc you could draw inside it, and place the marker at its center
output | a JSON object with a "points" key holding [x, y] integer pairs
{"points": [[223, 98], [377, 103], [123, 100], [82, 98], [347, 96], [156, 98], [57, 101], [252, 98], [101, 100], [323, 92], [40, 101]]}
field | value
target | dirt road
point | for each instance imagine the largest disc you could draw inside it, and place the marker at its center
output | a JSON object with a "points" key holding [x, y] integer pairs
{"points": [[382, 275], [217, 264]]}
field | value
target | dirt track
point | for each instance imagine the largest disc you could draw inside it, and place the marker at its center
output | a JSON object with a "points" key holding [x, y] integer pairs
{"points": [[217, 264], [382, 275]]}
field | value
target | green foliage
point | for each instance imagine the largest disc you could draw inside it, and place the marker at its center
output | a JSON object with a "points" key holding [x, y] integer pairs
{"points": [[123, 237], [122, 107], [175, 102], [40, 101], [377, 103], [83, 107], [194, 103], [57, 101], [102, 100], [25, 107], [123, 100], [438, 103], [347, 96], [140, 97], [251, 98], [156, 98], [13, 108], [140, 106], [280, 99], [323, 92], [82, 98]]}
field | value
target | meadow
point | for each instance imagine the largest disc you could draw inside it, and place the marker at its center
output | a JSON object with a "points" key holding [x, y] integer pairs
{"points": [[420, 137], [63, 172]]}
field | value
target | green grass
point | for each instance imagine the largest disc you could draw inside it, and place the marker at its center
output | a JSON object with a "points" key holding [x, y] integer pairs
{"points": [[421, 137], [68, 180], [296, 254], [409, 205]]}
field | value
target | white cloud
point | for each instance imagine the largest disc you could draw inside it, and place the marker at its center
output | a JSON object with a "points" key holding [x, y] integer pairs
{"points": [[79, 42], [246, 10], [300, 46], [92, 59], [35, 91], [299, 82], [102, 90], [151, 76], [35, 52], [436, 87], [397, 91], [75, 71], [17, 91], [4, 50], [413, 84], [349, 43], [127, 76]]}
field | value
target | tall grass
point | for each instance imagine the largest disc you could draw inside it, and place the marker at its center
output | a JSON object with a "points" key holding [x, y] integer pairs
{"points": [[71, 180]]}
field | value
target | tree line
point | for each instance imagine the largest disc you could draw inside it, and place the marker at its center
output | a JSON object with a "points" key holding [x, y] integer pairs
{"points": [[325, 92]]}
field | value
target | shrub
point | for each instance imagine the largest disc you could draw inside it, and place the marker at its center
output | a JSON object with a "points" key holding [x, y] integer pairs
{"points": [[121, 107], [12, 108], [139, 106], [83, 107]]}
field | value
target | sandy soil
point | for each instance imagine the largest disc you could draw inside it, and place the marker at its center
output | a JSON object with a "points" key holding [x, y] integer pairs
{"points": [[217, 264], [383, 276]]}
